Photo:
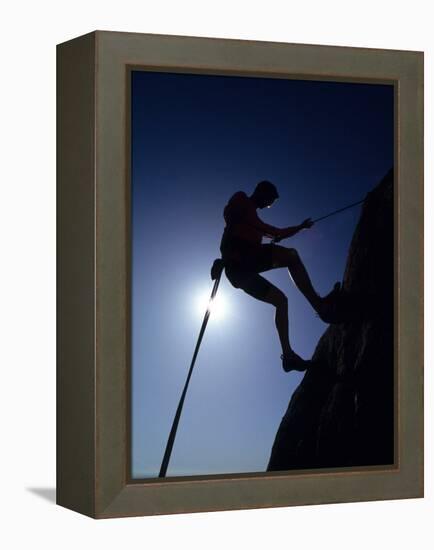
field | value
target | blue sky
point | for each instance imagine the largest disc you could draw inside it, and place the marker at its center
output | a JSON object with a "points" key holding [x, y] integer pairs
{"points": [[196, 140]]}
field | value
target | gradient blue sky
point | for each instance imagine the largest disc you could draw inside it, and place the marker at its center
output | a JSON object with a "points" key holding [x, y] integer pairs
{"points": [[196, 140]]}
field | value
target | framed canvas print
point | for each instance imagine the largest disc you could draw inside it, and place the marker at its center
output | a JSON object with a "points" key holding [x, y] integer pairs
{"points": [[240, 262]]}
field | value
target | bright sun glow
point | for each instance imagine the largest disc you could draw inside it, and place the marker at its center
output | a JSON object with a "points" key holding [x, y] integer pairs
{"points": [[218, 306]]}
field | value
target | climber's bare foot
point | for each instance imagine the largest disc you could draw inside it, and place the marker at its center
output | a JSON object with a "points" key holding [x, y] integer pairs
{"points": [[292, 361], [327, 310]]}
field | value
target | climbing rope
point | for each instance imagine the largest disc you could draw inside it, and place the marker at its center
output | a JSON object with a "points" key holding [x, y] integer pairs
{"points": [[338, 211], [277, 239], [216, 273]]}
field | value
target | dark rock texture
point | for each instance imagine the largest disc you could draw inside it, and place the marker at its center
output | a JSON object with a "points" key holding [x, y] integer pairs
{"points": [[342, 413]]}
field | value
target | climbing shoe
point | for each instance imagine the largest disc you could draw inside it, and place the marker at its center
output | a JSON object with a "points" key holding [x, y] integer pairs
{"points": [[328, 310], [292, 361]]}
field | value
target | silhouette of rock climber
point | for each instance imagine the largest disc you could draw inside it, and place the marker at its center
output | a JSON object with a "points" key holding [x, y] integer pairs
{"points": [[245, 256]]}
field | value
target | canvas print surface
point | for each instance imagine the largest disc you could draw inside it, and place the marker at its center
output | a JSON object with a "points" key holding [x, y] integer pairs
{"points": [[289, 185]]}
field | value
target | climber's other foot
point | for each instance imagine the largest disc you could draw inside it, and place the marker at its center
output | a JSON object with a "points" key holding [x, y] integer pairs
{"points": [[292, 361]]}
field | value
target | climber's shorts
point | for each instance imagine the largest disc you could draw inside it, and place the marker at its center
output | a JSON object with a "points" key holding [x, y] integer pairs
{"points": [[244, 273]]}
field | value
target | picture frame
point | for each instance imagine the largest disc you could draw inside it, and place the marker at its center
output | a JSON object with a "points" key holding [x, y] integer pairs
{"points": [[94, 292]]}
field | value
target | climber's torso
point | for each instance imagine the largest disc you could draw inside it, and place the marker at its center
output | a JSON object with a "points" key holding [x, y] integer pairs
{"points": [[242, 237]]}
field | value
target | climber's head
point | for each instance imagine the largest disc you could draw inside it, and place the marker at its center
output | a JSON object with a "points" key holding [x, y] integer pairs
{"points": [[265, 194]]}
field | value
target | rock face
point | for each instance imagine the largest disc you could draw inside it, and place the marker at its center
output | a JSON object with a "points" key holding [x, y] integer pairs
{"points": [[342, 413]]}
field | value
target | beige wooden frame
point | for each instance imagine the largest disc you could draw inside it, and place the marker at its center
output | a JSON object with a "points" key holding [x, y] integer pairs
{"points": [[93, 273]]}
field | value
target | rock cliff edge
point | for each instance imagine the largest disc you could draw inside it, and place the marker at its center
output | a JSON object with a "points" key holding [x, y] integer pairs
{"points": [[342, 413]]}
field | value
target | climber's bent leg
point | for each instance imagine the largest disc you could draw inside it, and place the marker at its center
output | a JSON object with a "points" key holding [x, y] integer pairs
{"points": [[324, 306], [289, 258], [263, 290]]}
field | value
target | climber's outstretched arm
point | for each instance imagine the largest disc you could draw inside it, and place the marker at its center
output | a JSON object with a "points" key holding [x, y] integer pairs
{"points": [[291, 231]]}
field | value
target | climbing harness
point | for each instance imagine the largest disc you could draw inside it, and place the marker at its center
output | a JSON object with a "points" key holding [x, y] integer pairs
{"points": [[216, 273]]}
